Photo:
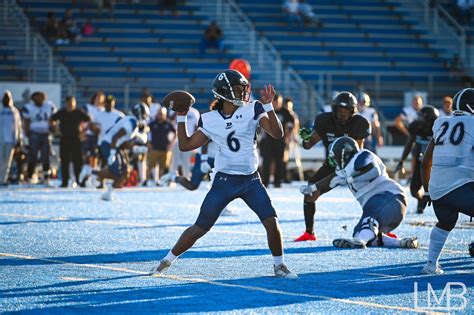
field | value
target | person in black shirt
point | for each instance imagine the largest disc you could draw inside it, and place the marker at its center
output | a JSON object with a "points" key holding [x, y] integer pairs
{"points": [[70, 120], [273, 150], [342, 121], [419, 135]]}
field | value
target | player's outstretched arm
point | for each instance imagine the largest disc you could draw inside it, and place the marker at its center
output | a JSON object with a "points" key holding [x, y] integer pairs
{"points": [[270, 124], [185, 142]]}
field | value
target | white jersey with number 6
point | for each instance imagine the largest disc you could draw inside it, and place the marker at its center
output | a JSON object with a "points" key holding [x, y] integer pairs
{"points": [[453, 155], [235, 136]]}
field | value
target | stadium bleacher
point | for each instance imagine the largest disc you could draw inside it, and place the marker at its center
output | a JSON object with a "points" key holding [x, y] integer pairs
{"points": [[371, 42], [135, 49]]}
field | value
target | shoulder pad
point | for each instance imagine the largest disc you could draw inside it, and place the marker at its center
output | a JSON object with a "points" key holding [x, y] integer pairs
{"points": [[364, 158]]}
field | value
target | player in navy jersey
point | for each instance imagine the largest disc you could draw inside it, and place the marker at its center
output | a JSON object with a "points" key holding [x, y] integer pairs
{"points": [[342, 121], [232, 126], [447, 173], [383, 200]]}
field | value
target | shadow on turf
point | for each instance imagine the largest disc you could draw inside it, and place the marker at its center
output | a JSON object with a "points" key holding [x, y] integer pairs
{"points": [[54, 220], [164, 295], [156, 255]]}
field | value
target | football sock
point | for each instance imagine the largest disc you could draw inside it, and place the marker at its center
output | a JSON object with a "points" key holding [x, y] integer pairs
{"points": [[365, 236], [170, 257], [278, 260], [309, 211], [390, 241], [437, 240]]}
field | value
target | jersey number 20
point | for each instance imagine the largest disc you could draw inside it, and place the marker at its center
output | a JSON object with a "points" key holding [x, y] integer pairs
{"points": [[456, 136], [232, 142]]}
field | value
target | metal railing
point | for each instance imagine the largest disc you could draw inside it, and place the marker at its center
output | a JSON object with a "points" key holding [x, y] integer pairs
{"points": [[39, 62], [265, 58], [441, 22]]}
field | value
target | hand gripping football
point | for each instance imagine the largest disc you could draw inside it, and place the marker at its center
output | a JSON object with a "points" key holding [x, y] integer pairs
{"points": [[178, 100]]}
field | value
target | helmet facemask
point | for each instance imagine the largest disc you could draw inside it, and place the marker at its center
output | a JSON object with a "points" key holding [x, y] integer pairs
{"points": [[235, 90]]}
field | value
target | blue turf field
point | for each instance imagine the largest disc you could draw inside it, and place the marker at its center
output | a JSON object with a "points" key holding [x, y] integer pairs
{"points": [[67, 251]]}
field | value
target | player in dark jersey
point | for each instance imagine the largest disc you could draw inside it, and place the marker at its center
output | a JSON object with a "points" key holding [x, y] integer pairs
{"points": [[420, 133], [342, 121]]}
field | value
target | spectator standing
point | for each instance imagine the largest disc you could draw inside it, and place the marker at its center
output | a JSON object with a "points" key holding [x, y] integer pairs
{"points": [[447, 109], [272, 149], [213, 38], [163, 134], [88, 28], [70, 120], [10, 134], [375, 139], [36, 117], [292, 146]]}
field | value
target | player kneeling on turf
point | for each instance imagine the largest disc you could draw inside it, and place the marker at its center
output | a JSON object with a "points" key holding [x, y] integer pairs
{"points": [[383, 201]]}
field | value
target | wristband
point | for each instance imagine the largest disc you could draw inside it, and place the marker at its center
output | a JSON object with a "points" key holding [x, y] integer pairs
{"points": [[204, 157], [181, 119], [268, 107]]}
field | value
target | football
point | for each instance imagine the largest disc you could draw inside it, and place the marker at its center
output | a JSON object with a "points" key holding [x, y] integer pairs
{"points": [[178, 100]]}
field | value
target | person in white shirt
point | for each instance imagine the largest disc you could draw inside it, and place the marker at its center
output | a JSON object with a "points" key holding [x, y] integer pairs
{"points": [[447, 109], [375, 139], [232, 126], [103, 121], [36, 117], [408, 115], [90, 145], [447, 173], [10, 134]]}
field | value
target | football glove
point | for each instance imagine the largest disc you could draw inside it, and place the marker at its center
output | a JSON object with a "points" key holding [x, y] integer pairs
{"points": [[308, 189], [425, 201], [305, 133], [111, 158]]}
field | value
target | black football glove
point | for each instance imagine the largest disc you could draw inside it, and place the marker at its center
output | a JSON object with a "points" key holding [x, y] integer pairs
{"points": [[425, 201]]}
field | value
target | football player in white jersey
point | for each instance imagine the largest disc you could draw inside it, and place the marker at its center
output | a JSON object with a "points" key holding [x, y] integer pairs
{"points": [[103, 121], [89, 146], [383, 201], [448, 173], [232, 126], [36, 117], [118, 138]]}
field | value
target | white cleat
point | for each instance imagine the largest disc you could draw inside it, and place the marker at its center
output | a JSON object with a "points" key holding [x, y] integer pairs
{"points": [[85, 173], [432, 269], [409, 242], [107, 195], [162, 268], [282, 271], [348, 243]]}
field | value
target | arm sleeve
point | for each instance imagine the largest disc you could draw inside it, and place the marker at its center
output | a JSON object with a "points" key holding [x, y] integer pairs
{"points": [[259, 112], [202, 128]]}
